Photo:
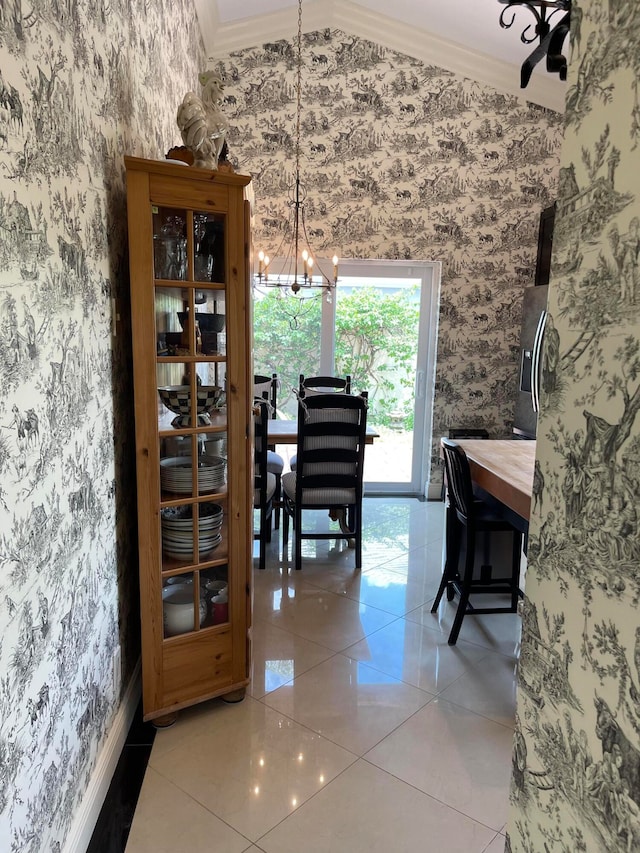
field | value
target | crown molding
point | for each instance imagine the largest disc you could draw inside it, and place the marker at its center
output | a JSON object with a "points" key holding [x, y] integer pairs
{"points": [[207, 14], [544, 89]]}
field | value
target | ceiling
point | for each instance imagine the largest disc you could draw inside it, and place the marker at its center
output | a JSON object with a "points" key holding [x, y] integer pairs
{"points": [[461, 35]]}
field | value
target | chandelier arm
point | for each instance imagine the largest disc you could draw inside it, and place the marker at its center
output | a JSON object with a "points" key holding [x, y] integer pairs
{"points": [[550, 47], [550, 37]]}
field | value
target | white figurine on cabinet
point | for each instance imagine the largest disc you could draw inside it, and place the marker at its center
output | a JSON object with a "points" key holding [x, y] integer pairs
{"points": [[202, 123]]}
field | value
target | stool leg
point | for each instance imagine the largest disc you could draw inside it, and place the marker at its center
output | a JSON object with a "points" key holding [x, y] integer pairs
{"points": [[450, 571], [515, 570], [470, 544]]}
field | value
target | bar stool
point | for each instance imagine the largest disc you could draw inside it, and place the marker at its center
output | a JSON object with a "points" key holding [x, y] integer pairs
{"points": [[467, 516]]}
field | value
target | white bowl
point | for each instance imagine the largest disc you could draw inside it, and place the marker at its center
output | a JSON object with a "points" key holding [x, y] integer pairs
{"points": [[177, 607]]}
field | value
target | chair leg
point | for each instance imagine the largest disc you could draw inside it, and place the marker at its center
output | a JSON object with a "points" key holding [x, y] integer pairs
{"points": [[297, 537], [470, 545], [285, 530], [357, 514], [262, 561], [277, 500]]}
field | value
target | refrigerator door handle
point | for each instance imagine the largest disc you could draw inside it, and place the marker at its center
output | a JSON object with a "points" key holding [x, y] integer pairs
{"points": [[535, 362]]}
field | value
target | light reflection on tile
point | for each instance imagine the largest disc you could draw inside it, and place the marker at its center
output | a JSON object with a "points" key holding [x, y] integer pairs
{"points": [[348, 702], [379, 587], [358, 657], [498, 632], [327, 619], [367, 811], [252, 768], [416, 655], [278, 656]]}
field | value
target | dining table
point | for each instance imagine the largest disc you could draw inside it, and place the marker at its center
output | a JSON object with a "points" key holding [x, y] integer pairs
{"points": [[504, 469], [281, 431]]}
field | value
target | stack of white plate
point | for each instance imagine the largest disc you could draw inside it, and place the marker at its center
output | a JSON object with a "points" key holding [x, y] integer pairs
{"points": [[176, 474], [177, 530]]}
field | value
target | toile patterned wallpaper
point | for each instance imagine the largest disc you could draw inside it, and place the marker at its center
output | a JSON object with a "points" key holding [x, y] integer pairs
{"points": [[81, 84], [576, 759], [406, 160]]}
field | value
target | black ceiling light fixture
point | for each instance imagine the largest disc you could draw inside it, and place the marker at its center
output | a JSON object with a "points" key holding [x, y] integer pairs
{"points": [[550, 30], [301, 271]]}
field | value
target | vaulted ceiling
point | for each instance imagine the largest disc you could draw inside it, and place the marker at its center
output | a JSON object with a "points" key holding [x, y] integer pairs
{"points": [[464, 36]]}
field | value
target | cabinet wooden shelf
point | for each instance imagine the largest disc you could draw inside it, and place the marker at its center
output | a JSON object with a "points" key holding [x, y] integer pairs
{"points": [[193, 381]]}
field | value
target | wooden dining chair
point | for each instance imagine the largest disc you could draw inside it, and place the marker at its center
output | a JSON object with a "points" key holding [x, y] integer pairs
{"points": [[266, 388], [264, 482], [330, 453], [466, 517]]}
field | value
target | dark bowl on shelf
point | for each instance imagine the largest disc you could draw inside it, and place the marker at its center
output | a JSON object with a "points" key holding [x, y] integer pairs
{"points": [[173, 339], [206, 322]]}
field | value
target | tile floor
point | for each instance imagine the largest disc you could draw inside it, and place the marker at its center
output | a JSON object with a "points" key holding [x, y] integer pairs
{"points": [[362, 730]]}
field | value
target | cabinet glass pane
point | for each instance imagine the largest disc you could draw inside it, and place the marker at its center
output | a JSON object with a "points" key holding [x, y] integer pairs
{"points": [[216, 590], [208, 239], [179, 600], [178, 474], [169, 243], [210, 321], [170, 307], [191, 533], [177, 409], [181, 607]]}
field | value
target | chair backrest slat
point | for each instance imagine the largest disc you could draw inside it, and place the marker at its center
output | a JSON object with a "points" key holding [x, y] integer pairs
{"points": [[458, 478], [324, 385], [266, 388]]}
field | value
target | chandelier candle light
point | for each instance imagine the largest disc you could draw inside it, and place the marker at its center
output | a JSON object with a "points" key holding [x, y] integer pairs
{"points": [[299, 268]]}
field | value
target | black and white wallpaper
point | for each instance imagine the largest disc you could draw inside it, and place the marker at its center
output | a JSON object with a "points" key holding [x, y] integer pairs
{"points": [[576, 760], [406, 160], [81, 84]]}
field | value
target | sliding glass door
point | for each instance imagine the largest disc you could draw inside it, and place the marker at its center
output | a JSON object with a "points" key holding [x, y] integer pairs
{"points": [[378, 326]]}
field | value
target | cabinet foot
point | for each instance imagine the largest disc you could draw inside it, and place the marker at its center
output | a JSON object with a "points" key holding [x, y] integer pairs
{"points": [[165, 721], [234, 696]]}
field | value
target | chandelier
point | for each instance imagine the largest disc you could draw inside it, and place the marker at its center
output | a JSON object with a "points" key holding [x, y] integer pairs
{"points": [[299, 270], [551, 38]]}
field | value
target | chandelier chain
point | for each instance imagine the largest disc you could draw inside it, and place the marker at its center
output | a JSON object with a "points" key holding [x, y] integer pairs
{"points": [[298, 86], [300, 266]]}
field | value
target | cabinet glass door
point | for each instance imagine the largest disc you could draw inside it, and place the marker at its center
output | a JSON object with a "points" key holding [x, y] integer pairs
{"points": [[191, 369]]}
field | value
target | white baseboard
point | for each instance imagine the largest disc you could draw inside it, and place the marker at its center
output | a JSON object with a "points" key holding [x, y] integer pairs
{"points": [[434, 492], [88, 812]]}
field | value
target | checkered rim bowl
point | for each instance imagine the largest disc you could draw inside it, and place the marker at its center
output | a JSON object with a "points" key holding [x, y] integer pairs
{"points": [[177, 398]]}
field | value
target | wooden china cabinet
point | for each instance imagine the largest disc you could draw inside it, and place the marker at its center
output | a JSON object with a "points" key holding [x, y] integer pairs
{"points": [[193, 375]]}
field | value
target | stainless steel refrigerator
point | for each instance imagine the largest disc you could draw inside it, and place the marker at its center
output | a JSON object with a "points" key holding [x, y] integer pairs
{"points": [[534, 317]]}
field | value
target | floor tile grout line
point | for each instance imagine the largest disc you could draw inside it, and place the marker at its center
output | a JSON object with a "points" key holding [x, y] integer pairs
{"points": [[433, 797], [201, 804], [311, 797], [291, 681], [491, 842], [477, 713]]}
